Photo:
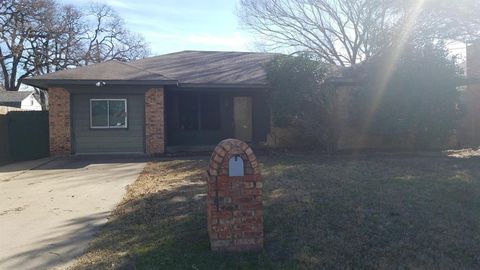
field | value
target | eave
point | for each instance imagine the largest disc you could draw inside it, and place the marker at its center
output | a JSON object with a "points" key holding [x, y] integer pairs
{"points": [[45, 84]]}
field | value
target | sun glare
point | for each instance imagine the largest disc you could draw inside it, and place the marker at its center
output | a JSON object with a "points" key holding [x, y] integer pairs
{"points": [[389, 66]]}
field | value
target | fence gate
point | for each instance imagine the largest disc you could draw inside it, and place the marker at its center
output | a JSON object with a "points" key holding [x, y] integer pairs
{"points": [[28, 135]]}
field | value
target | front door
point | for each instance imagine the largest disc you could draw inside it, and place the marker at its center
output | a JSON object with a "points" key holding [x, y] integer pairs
{"points": [[242, 117]]}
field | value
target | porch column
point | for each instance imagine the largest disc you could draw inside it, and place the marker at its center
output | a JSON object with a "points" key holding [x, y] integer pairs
{"points": [[59, 121], [155, 121]]}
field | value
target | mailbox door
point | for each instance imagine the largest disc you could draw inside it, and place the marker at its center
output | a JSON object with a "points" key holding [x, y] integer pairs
{"points": [[242, 117], [235, 166]]}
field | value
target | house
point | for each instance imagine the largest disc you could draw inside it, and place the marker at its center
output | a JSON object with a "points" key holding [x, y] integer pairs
{"points": [[165, 103], [24, 100]]}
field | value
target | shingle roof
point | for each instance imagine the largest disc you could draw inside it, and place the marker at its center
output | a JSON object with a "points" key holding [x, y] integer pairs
{"points": [[11, 98], [109, 70], [185, 67], [204, 67]]}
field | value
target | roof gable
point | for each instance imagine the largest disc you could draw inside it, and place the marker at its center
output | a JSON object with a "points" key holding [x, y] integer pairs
{"points": [[8, 98]]}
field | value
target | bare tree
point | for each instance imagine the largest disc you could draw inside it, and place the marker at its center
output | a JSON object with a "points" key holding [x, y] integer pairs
{"points": [[341, 32], [21, 23], [450, 20], [346, 32], [41, 36], [106, 37]]}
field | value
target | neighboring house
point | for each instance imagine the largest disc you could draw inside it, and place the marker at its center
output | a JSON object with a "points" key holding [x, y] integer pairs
{"points": [[24, 100], [176, 101]]}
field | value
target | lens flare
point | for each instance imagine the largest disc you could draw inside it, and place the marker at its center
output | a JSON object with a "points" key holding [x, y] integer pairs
{"points": [[390, 65]]}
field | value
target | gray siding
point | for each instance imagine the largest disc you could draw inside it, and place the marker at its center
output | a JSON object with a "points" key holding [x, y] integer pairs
{"points": [[87, 140]]}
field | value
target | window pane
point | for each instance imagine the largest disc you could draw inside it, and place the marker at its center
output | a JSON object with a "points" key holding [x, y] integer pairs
{"points": [[118, 114], [99, 113], [210, 111], [188, 111]]}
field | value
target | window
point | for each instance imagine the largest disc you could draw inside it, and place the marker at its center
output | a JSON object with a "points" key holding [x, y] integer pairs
{"points": [[108, 113], [210, 112], [188, 112], [198, 112]]}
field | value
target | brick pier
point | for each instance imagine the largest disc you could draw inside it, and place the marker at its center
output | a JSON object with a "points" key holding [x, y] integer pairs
{"points": [[235, 210]]}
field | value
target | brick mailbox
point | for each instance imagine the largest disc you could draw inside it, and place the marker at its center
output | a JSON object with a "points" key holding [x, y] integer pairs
{"points": [[235, 210]]}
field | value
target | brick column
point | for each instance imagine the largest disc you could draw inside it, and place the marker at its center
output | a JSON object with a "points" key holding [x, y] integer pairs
{"points": [[59, 121], [155, 121]]}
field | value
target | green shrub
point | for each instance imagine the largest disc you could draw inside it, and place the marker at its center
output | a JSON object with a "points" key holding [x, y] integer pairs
{"points": [[419, 98], [298, 98]]}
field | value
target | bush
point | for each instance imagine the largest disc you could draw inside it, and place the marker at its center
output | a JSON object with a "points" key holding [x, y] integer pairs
{"points": [[419, 98], [415, 97], [298, 98]]}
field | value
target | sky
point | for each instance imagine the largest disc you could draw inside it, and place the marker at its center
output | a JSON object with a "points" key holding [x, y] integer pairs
{"points": [[175, 25]]}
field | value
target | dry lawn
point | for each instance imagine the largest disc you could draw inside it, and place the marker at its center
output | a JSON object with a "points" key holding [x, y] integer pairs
{"points": [[321, 212]]}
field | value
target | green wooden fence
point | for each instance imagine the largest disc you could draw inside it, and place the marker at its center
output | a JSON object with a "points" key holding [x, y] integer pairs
{"points": [[27, 135], [4, 151]]}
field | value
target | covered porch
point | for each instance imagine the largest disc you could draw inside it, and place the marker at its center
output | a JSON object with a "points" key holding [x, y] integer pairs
{"points": [[198, 118]]}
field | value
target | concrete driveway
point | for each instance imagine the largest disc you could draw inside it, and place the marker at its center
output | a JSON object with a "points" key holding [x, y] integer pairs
{"points": [[49, 214]]}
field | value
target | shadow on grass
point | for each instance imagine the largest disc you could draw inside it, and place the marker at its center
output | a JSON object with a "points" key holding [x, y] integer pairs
{"points": [[320, 212], [164, 225]]}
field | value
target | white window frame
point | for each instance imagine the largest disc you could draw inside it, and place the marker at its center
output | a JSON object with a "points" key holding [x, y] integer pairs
{"points": [[108, 113]]}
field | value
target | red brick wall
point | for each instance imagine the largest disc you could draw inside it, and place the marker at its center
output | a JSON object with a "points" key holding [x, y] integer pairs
{"points": [[59, 121], [155, 121], [469, 133], [235, 210]]}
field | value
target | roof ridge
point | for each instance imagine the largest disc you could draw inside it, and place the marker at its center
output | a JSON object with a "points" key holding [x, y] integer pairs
{"points": [[142, 69], [198, 51], [226, 51], [155, 56]]}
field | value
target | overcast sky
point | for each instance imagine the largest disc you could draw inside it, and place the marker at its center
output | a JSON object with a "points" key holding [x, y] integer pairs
{"points": [[175, 25]]}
